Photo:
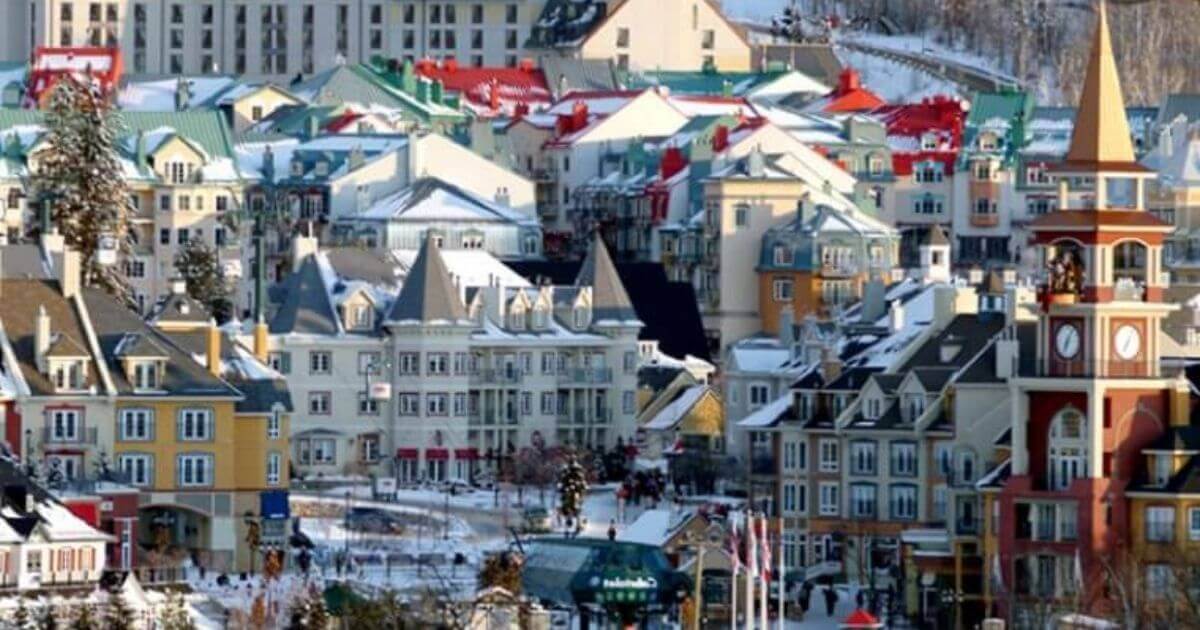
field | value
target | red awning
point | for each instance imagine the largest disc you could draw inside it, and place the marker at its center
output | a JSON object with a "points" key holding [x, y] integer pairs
{"points": [[466, 453], [437, 453], [407, 453], [861, 619]]}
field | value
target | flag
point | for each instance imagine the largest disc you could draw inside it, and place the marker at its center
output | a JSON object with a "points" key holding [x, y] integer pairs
{"points": [[751, 547], [765, 541]]}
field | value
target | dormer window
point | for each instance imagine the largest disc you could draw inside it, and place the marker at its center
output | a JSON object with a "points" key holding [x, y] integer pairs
{"points": [[472, 241], [297, 168], [68, 375], [362, 317], [914, 406], [145, 375], [929, 142], [581, 317], [875, 165], [539, 318], [950, 349], [1162, 470], [988, 142], [322, 168], [177, 172], [517, 319], [783, 256], [873, 409], [983, 170]]}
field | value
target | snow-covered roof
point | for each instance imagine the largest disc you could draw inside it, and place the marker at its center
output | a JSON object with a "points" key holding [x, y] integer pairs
{"points": [[432, 199], [670, 416], [469, 267], [769, 414], [159, 95], [758, 354], [654, 527]]}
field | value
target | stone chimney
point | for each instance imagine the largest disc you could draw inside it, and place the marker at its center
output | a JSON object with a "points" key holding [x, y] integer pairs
{"points": [[68, 270], [41, 339]]}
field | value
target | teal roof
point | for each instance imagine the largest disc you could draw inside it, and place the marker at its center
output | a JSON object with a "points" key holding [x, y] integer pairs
{"points": [[700, 83], [1007, 110], [206, 128], [359, 84]]}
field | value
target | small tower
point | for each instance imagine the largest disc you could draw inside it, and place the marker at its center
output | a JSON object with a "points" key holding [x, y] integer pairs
{"points": [[934, 255]]}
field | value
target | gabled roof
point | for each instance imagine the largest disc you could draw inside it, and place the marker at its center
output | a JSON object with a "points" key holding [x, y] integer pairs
{"points": [[181, 376], [65, 347], [303, 306], [434, 199], [609, 299], [139, 345], [428, 294], [483, 87], [180, 308], [19, 318]]}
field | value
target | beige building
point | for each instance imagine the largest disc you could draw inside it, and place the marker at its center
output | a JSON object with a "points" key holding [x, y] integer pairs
{"points": [[1175, 198], [668, 35], [271, 38]]}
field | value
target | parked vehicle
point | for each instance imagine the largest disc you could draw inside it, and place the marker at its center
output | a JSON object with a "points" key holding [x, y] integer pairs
{"points": [[536, 520]]}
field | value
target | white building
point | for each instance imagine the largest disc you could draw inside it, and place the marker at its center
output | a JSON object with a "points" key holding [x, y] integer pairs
{"points": [[466, 360]]}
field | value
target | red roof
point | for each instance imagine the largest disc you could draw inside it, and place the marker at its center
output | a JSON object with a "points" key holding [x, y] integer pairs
{"points": [[850, 95], [909, 124], [491, 90], [905, 163], [342, 121], [860, 619]]}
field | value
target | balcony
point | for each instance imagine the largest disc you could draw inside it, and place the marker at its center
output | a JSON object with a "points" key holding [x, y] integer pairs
{"points": [[1057, 368], [578, 416], [984, 219], [839, 270], [497, 377], [585, 376], [763, 465], [81, 437]]}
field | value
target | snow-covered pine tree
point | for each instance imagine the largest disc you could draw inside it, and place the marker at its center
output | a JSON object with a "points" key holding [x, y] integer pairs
{"points": [[118, 615], [84, 619], [174, 615], [572, 485], [48, 619], [198, 266], [308, 612], [22, 620], [80, 175]]}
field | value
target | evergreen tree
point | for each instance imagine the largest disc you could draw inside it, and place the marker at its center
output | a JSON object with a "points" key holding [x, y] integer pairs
{"points": [[21, 619], [198, 265], [572, 485], [308, 611], [48, 620], [175, 615], [118, 615], [84, 620], [502, 570], [80, 175]]}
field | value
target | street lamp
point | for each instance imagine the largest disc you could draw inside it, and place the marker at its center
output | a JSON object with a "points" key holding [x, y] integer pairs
{"points": [[346, 525]]}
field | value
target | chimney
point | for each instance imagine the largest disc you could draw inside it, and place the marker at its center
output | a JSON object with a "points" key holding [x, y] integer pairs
{"points": [[672, 162], [178, 286], [41, 338], [450, 65], [1181, 408], [435, 92], [895, 316], [848, 81], [1007, 353], [260, 340], [525, 65], [494, 94], [521, 111], [213, 348], [69, 271], [831, 365], [579, 116], [720, 140], [423, 90]]}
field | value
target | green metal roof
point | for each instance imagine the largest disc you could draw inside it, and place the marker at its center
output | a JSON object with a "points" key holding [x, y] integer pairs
{"points": [[206, 128], [705, 83], [359, 84]]}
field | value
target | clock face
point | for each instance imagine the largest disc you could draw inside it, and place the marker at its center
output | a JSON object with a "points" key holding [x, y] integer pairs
{"points": [[1128, 342], [1066, 341]]}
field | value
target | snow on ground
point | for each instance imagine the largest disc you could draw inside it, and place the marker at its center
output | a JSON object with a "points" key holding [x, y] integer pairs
{"points": [[896, 82], [760, 11], [927, 47]]}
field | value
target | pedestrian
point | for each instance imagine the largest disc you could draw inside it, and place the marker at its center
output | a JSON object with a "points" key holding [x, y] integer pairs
{"points": [[805, 597], [830, 600], [612, 530]]}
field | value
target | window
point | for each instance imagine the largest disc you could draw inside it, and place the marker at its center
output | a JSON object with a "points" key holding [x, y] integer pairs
{"points": [[940, 497], [195, 425], [280, 362], [862, 500], [623, 37], [781, 289], [65, 425], [1162, 469], [904, 459], [319, 403], [1067, 449], [789, 497], [1194, 523], [829, 455], [274, 422], [324, 451], [829, 498], [409, 403], [437, 364], [942, 458], [862, 458], [741, 216], [708, 39], [904, 502], [145, 375], [1160, 524], [274, 466], [759, 395], [319, 362], [409, 363], [367, 406], [195, 470], [138, 468], [510, 14], [137, 425], [436, 404], [627, 401]]}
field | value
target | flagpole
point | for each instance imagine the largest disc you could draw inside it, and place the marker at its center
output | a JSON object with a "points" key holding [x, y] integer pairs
{"points": [[734, 564], [733, 597], [751, 569], [782, 577], [762, 574]]}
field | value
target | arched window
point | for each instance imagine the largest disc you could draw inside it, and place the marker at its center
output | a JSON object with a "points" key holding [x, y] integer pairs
{"points": [[1068, 449]]}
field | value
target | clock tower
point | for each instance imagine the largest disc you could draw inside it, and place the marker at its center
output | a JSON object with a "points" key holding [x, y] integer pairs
{"points": [[1092, 392]]}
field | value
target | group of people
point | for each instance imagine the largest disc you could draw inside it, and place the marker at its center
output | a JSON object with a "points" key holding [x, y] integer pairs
{"points": [[643, 485]]}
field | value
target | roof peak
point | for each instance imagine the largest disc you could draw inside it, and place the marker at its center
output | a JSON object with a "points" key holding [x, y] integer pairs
{"points": [[428, 293], [609, 298], [1101, 134]]}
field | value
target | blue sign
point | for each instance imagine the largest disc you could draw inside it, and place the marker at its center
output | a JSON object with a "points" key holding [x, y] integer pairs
{"points": [[274, 504]]}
